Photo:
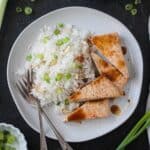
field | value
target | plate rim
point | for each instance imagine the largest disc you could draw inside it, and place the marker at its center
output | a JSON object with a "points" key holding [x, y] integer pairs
{"points": [[50, 13]]}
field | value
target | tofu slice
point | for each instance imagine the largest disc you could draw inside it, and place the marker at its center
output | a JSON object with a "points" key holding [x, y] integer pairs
{"points": [[90, 110], [109, 45], [109, 71], [100, 88]]}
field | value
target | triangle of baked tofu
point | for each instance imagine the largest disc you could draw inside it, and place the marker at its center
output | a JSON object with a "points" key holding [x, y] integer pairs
{"points": [[109, 45], [100, 88], [90, 110], [109, 71]]}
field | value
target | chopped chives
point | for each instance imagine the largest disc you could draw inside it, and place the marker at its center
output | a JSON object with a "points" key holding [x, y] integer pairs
{"points": [[65, 40], [59, 42], [29, 57], [28, 10], [68, 76], [45, 39], [59, 77], [128, 7], [56, 31], [18, 9], [40, 56], [62, 41], [133, 12], [61, 25], [136, 2], [59, 90], [46, 77]]}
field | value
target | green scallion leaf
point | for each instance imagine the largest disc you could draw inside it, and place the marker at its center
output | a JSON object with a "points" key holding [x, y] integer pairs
{"points": [[46, 77], [68, 76], [134, 12], [45, 39], [128, 7], [10, 138], [39, 56], [18, 9], [59, 42], [1, 136], [61, 25], [136, 2], [28, 10], [65, 40], [56, 31], [66, 101], [59, 77], [62, 41], [29, 57], [59, 90]]}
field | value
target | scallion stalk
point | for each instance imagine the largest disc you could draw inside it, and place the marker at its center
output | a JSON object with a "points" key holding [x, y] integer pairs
{"points": [[141, 125], [2, 10]]}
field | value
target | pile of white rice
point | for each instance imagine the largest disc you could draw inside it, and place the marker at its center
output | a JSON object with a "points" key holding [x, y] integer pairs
{"points": [[57, 73]]}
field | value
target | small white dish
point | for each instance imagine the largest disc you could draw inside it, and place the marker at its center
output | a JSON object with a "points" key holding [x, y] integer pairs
{"points": [[94, 21], [21, 142]]}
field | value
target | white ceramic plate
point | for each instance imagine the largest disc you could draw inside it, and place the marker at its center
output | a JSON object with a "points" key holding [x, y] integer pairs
{"points": [[95, 21]]}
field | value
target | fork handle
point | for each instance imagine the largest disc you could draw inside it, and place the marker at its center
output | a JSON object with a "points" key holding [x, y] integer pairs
{"points": [[43, 144], [64, 145]]}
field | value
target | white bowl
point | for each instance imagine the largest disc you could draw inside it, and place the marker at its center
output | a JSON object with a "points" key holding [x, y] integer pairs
{"points": [[21, 144]]}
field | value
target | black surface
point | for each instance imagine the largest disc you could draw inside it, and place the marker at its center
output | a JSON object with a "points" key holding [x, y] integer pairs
{"points": [[14, 23]]}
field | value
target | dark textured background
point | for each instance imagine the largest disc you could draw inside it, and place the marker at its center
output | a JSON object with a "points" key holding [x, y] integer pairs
{"points": [[14, 23]]}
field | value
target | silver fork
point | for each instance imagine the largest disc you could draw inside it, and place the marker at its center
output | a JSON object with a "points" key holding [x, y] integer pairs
{"points": [[24, 85]]}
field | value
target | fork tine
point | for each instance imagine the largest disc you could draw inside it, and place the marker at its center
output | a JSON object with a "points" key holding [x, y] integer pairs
{"points": [[30, 77], [20, 90], [24, 89]]}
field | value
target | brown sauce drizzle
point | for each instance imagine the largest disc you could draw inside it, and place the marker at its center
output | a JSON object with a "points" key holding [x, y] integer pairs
{"points": [[80, 58], [129, 100], [124, 50], [78, 115], [115, 109]]}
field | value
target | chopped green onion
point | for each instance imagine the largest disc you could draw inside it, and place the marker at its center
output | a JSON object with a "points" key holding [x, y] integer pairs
{"points": [[133, 12], [66, 102], [56, 31], [140, 126], [45, 39], [55, 56], [62, 41], [1, 136], [128, 7], [68, 76], [29, 57], [59, 90], [59, 77], [59, 42], [136, 2], [46, 77], [54, 60], [40, 56], [77, 66], [28, 10], [65, 40], [18, 9], [10, 139], [61, 25]]}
